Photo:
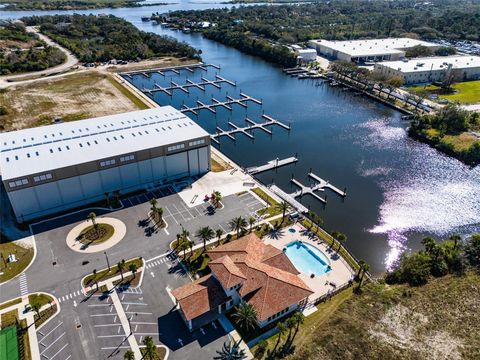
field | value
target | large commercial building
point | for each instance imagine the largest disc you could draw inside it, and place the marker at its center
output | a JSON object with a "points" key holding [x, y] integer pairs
{"points": [[58, 167], [432, 69], [361, 51]]}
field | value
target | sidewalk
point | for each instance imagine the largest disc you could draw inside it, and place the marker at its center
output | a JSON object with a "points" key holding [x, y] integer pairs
{"points": [[234, 335]]}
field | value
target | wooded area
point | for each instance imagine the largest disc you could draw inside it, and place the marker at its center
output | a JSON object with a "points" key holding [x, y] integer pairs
{"points": [[102, 38], [21, 51]]}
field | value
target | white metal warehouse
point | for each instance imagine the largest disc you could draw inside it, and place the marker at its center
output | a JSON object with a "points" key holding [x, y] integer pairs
{"points": [[367, 50], [58, 167]]}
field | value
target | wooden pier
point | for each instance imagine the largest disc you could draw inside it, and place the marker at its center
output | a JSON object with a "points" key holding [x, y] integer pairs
{"points": [[190, 84], [216, 103], [272, 164], [174, 69], [233, 129]]}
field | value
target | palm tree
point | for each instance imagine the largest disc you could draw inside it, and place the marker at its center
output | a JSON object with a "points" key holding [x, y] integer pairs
{"points": [[340, 237], [190, 246], [205, 234], [121, 266], [150, 348], [182, 245], [36, 306], [281, 330], [92, 217], [299, 319], [133, 268], [245, 316], [290, 323], [94, 272], [231, 351], [216, 197], [364, 267], [251, 222], [455, 239], [238, 224], [218, 234], [283, 207], [129, 355]]}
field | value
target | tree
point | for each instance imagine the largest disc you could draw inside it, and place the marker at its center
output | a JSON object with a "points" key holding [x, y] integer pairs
{"points": [[245, 316], [281, 329], [121, 266], [251, 222], [150, 348], [205, 234], [36, 305], [418, 51], [340, 237], [238, 224], [472, 250], [129, 355], [92, 217], [363, 268], [283, 207], [218, 234], [415, 268], [156, 212], [94, 272], [396, 82], [133, 268], [231, 351], [216, 197]]}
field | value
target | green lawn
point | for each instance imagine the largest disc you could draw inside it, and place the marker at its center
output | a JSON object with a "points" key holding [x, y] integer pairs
{"points": [[24, 257], [105, 274], [90, 236], [9, 344], [10, 303], [468, 92], [272, 208]]}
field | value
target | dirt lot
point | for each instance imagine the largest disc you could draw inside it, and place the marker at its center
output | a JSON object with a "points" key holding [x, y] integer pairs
{"points": [[74, 96]]}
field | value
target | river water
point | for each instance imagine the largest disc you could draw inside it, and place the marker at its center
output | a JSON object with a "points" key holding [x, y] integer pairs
{"points": [[399, 190]]}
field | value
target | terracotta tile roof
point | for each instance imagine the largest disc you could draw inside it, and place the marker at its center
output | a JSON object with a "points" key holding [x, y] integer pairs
{"points": [[226, 271], [271, 282], [200, 296]]}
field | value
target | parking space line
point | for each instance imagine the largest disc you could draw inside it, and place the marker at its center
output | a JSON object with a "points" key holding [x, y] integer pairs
{"points": [[52, 343], [109, 336], [134, 303], [59, 351], [68, 357], [144, 323], [55, 328], [187, 210], [103, 325], [166, 208], [93, 315], [139, 313], [115, 347], [178, 211]]}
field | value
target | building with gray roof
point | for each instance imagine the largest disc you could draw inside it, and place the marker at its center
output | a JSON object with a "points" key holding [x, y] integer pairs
{"points": [[54, 168]]}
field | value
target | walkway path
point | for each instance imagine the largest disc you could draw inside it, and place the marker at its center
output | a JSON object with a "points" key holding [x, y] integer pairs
{"points": [[70, 62]]}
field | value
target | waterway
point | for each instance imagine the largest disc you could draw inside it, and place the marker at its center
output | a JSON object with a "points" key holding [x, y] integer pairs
{"points": [[399, 190]]}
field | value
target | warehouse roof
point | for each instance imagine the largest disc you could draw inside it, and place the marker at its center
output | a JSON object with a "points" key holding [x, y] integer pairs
{"points": [[433, 63], [45, 148], [373, 47]]}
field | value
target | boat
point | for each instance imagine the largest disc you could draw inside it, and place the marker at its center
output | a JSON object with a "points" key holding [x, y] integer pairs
{"points": [[145, 18]]}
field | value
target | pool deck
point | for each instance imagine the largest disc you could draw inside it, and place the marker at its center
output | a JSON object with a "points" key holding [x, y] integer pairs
{"points": [[340, 273]]}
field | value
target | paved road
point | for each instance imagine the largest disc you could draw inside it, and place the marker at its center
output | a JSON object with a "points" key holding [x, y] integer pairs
{"points": [[70, 62], [58, 270]]}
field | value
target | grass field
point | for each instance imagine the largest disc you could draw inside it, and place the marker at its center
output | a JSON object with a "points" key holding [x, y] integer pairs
{"points": [[23, 255], [467, 92], [72, 97], [437, 321], [11, 318], [272, 208], [9, 344]]}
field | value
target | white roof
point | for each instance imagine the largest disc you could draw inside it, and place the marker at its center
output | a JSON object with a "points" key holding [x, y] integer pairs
{"points": [[45, 148], [433, 63], [373, 47], [307, 51]]}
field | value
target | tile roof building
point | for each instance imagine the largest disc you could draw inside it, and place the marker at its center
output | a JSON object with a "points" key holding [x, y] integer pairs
{"points": [[54, 168], [245, 270]]}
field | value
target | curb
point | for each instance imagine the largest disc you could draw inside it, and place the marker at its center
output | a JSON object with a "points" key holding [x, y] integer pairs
{"points": [[29, 264]]}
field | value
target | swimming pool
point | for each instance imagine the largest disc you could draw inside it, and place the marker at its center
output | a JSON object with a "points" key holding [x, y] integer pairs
{"points": [[307, 258]]}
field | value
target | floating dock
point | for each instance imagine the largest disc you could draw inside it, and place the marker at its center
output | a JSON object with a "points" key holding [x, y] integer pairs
{"points": [[247, 129], [273, 164], [320, 185], [174, 69], [216, 103], [190, 84]]}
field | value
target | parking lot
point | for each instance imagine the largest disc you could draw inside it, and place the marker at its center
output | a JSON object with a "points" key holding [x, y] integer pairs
{"points": [[53, 343]]}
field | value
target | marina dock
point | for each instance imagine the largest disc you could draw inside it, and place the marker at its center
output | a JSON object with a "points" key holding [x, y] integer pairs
{"points": [[289, 199], [185, 87], [233, 129], [216, 103], [174, 69], [272, 164]]}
